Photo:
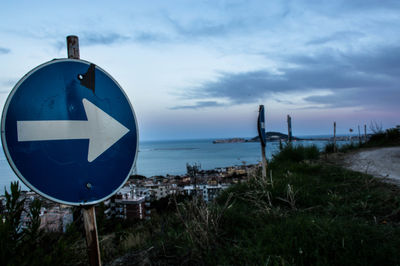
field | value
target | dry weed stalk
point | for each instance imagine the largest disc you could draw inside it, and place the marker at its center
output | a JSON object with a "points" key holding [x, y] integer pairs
{"points": [[259, 195], [290, 197], [202, 221]]}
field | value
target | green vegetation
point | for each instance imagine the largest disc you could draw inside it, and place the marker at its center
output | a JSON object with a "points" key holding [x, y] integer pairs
{"points": [[306, 213], [28, 244], [313, 215], [391, 137], [350, 147], [388, 138], [329, 148], [296, 153]]}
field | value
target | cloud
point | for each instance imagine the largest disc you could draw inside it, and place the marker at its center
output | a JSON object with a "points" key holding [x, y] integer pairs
{"points": [[206, 27], [345, 7], [378, 99], [94, 38], [369, 4], [150, 37], [4, 50], [341, 36], [240, 88], [198, 105], [370, 79], [112, 38], [90, 38], [8, 83]]}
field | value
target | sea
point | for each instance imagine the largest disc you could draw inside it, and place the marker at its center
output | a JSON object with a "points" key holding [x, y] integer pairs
{"points": [[161, 158]]}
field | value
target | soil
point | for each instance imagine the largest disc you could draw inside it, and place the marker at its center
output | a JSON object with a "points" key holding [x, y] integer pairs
{"points": [[379, 162]]}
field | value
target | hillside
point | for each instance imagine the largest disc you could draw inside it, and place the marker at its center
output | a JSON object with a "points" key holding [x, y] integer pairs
{"points": [[307, 212], [273, 136]]}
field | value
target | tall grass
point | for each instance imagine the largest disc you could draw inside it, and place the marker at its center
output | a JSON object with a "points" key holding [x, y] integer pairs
{"points": [[305, 213], [296, 153], [391, 137], [311, 214], [349, 147], [329, 148]]}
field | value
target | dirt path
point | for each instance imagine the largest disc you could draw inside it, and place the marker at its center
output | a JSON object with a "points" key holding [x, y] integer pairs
{"points": [[379, 162]]}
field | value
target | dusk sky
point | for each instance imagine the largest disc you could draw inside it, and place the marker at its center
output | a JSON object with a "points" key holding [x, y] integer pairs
{"points": [[200, 69]]}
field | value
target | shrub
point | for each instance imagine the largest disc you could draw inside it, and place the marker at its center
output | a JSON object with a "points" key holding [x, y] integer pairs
{"points": [[297, 153], [388, 138], [393, 134], [28, 244], [311, 152], [329, 148], [378, 137], [312, 215], [10, 227], [349, 147]]}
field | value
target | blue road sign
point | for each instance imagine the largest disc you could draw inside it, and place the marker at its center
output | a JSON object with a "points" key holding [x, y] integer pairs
{"points": [[69, 132], [261, 126]]}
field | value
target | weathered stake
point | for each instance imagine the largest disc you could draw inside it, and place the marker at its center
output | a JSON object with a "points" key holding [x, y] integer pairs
{"points": [[88, 213], [334, 136], [92, 241], [365, 133], [263, 139], [73, 47], [264, 163], [289, 122]]}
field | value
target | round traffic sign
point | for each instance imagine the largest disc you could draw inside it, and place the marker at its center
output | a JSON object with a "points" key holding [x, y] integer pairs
{"points": [[69, 132]]}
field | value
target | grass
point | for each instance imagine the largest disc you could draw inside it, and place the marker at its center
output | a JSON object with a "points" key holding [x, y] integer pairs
{"points": [[296, 153], [306, 213], [329, 148], [388, 138], [391, 137], [329, 216], [349, 147]]}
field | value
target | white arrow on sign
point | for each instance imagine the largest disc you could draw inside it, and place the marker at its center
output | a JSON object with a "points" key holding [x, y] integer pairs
{"points": [[101, 129]]}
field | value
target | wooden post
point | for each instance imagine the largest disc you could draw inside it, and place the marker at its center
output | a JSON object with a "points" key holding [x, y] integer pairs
{"points": [[88, 212], [73, 47], [334, 136], [92, 240], [365, 133], [264, 163], [289, 122], [263, 139]]}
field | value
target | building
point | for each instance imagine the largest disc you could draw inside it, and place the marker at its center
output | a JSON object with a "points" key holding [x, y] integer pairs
{"points": [[207, 192], [55, 219], [128, 205], [130, 208], [158, 191]]}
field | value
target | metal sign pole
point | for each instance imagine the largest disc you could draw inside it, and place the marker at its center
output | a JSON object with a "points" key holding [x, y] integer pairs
{"points": [[88, 212]]}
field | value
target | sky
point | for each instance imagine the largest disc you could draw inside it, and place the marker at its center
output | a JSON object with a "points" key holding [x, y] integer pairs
{"points": [[200, 69]]}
